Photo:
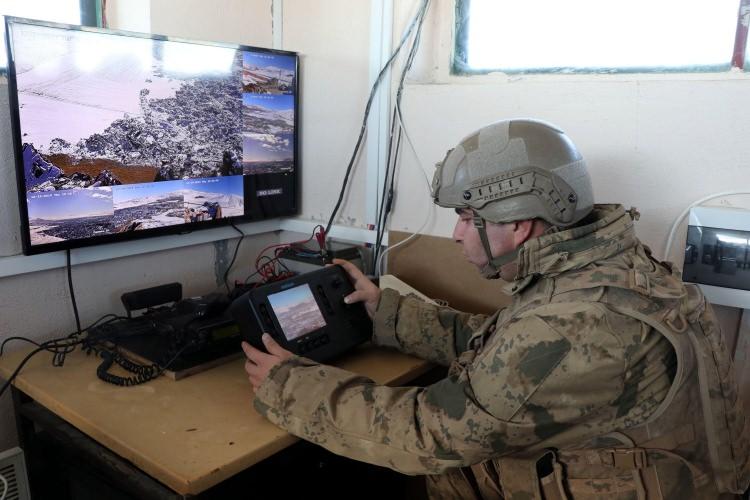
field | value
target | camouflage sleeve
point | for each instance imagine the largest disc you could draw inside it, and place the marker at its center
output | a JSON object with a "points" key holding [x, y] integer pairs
{"points": [[523, 390], [438, 334]]}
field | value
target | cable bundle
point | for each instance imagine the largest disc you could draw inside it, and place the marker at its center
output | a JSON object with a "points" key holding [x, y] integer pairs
{"points": [[394, 142]]}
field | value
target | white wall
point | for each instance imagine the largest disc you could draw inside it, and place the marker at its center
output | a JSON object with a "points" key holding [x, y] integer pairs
{"points": [[656, 145], [129, 15], [10, 220], [245, 22], [332, 37]]}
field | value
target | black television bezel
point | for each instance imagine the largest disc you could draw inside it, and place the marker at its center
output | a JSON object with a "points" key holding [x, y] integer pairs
{"points": [[269, 212]]}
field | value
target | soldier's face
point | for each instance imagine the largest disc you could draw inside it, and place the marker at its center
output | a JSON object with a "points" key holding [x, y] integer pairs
{"points": [[501, 239]]}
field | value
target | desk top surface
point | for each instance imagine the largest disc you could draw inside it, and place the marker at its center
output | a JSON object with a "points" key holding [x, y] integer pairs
{"points": [[189, 434]]}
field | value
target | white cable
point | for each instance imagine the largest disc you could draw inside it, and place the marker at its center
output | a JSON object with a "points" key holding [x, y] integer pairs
{"points": [[5, 486], [670, 238], [380, 258], [378, 268]]}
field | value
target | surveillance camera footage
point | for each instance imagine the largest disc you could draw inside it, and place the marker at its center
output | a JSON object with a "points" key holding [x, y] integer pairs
{"points": [[297, 312]]}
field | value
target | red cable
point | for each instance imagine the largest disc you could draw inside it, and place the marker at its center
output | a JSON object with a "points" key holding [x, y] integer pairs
{"points": [[268, 271]]}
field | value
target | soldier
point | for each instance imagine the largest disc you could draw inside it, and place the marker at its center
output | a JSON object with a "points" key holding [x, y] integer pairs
{"points": [[605, 377]]}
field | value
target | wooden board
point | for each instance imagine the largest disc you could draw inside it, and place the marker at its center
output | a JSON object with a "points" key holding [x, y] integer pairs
{"points": [[179, 374], [436, 267], [189, 434]]}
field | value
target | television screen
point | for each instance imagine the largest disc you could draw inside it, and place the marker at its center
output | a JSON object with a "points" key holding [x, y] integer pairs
{"points": [[122, 135]]}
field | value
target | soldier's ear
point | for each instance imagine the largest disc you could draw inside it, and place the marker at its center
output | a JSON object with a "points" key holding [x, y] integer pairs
{"points": [[522, 231]]}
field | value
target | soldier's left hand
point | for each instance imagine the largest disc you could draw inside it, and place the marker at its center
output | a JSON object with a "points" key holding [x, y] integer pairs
{"points": [[258, 363]]}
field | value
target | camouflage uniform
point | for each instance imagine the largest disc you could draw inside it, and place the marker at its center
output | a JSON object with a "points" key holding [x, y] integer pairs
{"points": [[587, 385]]}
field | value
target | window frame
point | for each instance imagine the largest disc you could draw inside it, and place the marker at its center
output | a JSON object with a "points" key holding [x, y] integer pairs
{"points": [[459, 66], [91, 13]]}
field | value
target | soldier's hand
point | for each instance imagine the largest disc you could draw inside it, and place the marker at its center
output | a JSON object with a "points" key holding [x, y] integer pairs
{"points": [[364, 290], [258, 363]]}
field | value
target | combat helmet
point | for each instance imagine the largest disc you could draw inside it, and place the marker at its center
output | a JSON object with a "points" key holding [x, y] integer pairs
{"points": [[514, 170]]}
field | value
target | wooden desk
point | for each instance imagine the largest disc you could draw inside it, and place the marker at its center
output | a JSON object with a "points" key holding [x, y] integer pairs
{"points": [[190, 434]]}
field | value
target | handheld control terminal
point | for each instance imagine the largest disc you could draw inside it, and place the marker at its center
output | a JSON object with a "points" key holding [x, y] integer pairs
{"points": [[305, 314]]}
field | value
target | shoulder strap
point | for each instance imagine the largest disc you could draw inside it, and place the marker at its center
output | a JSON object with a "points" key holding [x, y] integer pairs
{"points": [[648, 284], [692, 345]]}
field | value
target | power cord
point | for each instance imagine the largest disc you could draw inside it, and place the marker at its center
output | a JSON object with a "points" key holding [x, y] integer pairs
{"points": [[234, 257], [397, 129], [60, 347], [418, 17], [72, 293], [42, 347], [378, 270], [142, 373], [268, 271]]}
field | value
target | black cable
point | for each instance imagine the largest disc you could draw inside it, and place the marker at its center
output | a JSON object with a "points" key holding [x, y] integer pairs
{"points": [[386, 202], [284, 266], [382, 214], [42, 347], [373, 90], [60, 347], [270, 260], [234, 257], [388, 159], [142, 373], [252, 275], [72, 293], [50, 345], [386, 196], [18, 369], [393, 153], [30, 341], [392, 158]]}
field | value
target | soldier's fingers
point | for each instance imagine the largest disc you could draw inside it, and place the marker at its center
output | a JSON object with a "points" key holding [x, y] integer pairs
{"points": [[255, 355], [273, 347], [255, 382], [251, 369], [350, 268], [356, 296], [247, 348]]}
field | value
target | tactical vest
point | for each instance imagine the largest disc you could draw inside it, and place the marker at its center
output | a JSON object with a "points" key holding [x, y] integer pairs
{"points": [[707, 454]]}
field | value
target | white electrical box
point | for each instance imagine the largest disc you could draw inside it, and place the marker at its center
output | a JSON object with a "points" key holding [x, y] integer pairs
{"points": [[717, 254]]}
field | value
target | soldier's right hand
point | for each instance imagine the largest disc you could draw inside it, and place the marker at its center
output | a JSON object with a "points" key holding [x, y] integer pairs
{"points": [[364, 290]]}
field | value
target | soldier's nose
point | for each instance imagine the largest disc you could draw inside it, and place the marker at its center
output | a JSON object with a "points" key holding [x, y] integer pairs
{"points": [[458, 232]]}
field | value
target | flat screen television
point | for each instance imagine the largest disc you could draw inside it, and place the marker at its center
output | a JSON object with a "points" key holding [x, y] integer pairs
{"points": [[122, 135]]}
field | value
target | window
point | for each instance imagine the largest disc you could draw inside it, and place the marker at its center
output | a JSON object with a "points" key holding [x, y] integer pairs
{"points": [[61, 11], [595, 36]]}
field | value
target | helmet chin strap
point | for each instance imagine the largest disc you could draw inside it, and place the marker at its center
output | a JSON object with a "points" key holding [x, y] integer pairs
{"points": [[491, 270]]}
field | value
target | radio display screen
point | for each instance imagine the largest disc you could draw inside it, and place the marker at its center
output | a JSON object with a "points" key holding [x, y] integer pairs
{"points": [[297, 311]]}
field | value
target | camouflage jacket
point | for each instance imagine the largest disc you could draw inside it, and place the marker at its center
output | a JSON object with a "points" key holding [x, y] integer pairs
{"points": [[562, 368]]}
